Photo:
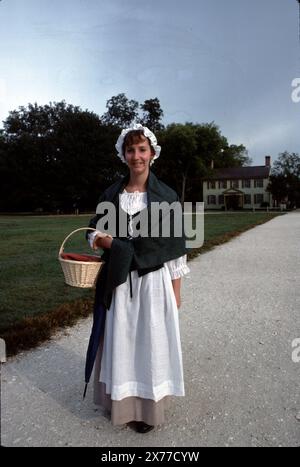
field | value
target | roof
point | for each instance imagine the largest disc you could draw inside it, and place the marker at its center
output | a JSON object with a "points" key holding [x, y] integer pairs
{"points": [[256, 171]]}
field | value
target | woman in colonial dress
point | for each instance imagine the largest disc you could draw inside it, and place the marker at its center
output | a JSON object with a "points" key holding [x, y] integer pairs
{"points": [[138, 357]]}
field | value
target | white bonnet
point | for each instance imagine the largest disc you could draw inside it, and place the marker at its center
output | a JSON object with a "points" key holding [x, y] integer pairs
{"points": [[147, 134]]}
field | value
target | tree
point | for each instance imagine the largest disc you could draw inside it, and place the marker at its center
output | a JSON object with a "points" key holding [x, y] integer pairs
{"points": [[188, 149], [278, 187], [3, 168], [234, 156], [180, 154], [152, 114], [285, 178], [212, 145], [121, 112], [57, 155], [287, 164]]}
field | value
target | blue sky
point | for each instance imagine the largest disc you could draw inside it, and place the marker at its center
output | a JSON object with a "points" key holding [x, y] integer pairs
{"points": [[230, 61]]}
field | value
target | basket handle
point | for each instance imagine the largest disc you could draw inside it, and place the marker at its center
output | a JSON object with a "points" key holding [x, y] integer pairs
{"points": [[74, 231]]}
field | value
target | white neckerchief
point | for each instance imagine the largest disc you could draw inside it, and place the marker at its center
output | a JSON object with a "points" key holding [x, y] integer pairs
{"points": [[132, 203]]}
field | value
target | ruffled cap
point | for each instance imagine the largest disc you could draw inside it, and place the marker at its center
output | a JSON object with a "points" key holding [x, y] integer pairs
{"points": [[147, 134]]}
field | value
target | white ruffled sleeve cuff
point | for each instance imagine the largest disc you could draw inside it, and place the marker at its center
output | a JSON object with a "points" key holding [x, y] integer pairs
{"points": [[178, 267], [91, 237]]}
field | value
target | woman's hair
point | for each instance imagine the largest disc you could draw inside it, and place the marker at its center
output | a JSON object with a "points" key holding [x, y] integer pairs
{"points": [[134, 137]]}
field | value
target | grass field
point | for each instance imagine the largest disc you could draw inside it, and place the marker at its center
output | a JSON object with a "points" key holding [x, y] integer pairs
{"points": [[34, 298]]}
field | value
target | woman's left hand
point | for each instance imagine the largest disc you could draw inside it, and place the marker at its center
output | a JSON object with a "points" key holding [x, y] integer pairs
{"points": [[176, 287], [178, 300]]}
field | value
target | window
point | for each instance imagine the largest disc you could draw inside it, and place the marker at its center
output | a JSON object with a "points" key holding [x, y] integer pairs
{"points": [[234, 183], [211, 199], [258, 198], [259, 183], [211, 185], [223, 184], [221, 199], [247, 199], [246, 183]]}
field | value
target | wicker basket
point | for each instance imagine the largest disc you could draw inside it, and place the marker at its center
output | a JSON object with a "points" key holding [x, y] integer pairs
{"points": [[79, 273]]}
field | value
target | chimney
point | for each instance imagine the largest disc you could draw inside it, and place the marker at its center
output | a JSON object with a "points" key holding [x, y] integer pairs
{"points": [[212, 164], [268, 161]]}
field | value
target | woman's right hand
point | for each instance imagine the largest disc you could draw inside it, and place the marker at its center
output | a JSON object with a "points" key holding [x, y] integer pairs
{"points": [[102, 241]]}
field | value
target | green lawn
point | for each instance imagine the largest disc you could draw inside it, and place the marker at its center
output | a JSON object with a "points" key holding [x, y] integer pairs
{"points": [[31, 278], [219, 224], [32, 282]]}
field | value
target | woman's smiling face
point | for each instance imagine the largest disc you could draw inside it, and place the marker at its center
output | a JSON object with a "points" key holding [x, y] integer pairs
{"points": [[138, 155]]}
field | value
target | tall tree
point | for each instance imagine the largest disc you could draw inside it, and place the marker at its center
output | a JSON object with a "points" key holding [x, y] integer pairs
{"points": [[152, 114], [121, 112], [58, 156], [212, 145], [287, 164], [234, 156], [278, 187], [188, 149], [285, 178], [179, 150]]}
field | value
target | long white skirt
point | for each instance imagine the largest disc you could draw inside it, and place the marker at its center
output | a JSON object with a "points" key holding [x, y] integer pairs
{"points": [[142, 350]]}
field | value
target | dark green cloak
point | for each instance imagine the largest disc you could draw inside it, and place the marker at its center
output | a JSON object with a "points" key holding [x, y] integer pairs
{"points": [[144, 254]]}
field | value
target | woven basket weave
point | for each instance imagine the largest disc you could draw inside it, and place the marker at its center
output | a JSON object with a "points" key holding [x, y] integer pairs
{"points": [[79, 273]]}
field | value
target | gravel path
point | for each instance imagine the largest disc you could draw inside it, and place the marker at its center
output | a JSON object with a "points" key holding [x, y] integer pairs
{"points": [[240, 313]]}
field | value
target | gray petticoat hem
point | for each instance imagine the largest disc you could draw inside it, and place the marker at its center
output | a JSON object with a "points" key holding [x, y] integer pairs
{"points": [[130, 408]]}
